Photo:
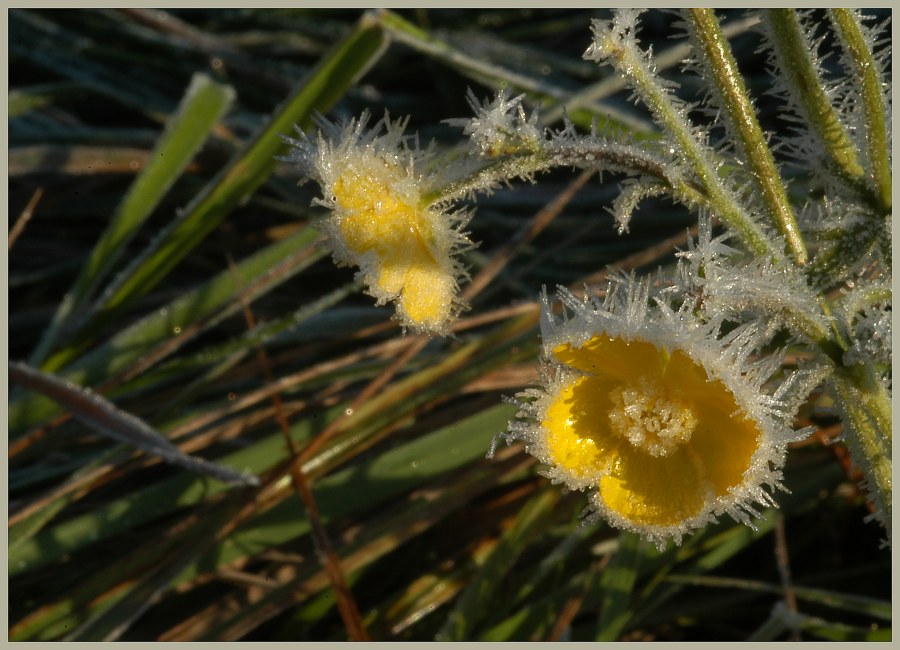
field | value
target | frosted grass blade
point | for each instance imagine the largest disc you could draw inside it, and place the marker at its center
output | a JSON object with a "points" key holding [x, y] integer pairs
{"points": [[203, 104], [100, 413], [349, 59]]}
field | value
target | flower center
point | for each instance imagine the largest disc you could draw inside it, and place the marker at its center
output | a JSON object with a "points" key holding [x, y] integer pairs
{"points": [[651, 419]]}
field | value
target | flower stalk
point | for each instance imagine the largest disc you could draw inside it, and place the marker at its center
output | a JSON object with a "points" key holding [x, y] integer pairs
{"points": [[808, 91], [621, 51], [867, 414], [722, 67], [849, 30]]}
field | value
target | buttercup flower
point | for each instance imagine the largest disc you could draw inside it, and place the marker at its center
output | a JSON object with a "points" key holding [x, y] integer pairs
{"points": [[665, 422], [380, 221]]}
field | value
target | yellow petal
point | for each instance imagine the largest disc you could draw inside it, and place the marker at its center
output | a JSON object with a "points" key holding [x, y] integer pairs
{"points": [[576, 429], [655, 491], [372, 212], [612, 357], [427, 298], [685, 376], [725, 445]]}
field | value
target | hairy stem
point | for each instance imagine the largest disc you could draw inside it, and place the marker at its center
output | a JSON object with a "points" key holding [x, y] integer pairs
{"points": [[629, 61], [849, 29], [722, 67], [609, 156], [867, 413], [796, 63]]}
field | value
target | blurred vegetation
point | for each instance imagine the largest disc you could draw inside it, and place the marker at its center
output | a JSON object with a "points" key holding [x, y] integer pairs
{"points": [[162, 257]]}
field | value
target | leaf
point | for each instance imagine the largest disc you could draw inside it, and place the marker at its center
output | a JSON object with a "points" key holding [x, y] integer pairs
{"points": [[98, 412], [234, 184], [203, 104], [617, 583], [352, 490], [190, 313], [474, 602]]}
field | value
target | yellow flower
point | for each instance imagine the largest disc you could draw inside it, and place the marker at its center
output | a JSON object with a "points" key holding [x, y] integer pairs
{"points": [[380, 221], [664, 422]]}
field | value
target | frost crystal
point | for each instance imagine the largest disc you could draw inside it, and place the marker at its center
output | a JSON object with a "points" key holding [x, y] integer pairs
{"points": [[501, 126], [775, 293]]}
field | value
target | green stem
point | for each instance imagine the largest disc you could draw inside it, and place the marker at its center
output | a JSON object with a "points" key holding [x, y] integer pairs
{"points": [[849, 29], [867, 412], [627, 58], [722, 67], [807, 89], [582, 154], [873, 294]]}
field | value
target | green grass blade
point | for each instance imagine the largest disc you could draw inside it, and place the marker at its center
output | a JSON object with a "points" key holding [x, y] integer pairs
{"points": [[363, 486], [499, 76], [842, 601], [217, 297], [617, 583], [30, 525], [26, 100], [103, 416], [354, 489], [396, 524], [203, 104], [476, 598], [152, 502], [536, 618], [832, 631], [67, 54], [381, 412], [349, 59]]}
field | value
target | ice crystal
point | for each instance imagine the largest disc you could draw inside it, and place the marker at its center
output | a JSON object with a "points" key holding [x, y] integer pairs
{"points": [[732, 286]]}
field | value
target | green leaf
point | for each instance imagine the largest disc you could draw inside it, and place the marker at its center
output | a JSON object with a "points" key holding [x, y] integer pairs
{"points": [[349, 59], [203, 104], [617, 584], [103, 416], [474, 602], [353, 490], [262, 271]]}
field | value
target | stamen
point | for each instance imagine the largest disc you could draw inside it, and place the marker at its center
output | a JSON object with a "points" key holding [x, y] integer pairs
{"points": [[650, 418]]}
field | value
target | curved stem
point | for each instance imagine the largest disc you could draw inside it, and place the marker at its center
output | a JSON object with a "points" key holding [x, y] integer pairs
{"points": [[621, 51], [808, 91]]}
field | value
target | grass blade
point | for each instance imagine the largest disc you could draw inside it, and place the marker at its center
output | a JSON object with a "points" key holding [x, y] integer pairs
{"points": [[203, 104], [94, 410], [617, 583], [475, 599], [318, 92], [187, 314]]}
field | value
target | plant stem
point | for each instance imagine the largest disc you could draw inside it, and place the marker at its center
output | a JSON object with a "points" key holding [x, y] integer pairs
{"points": [[807, 89], [625, 56], [849, 29], [867, 417], [722, 67], [583, 154]]}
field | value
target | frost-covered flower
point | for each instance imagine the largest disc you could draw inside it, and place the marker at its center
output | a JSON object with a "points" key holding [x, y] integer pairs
{"points": [[381, 221], [665, 420]]}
